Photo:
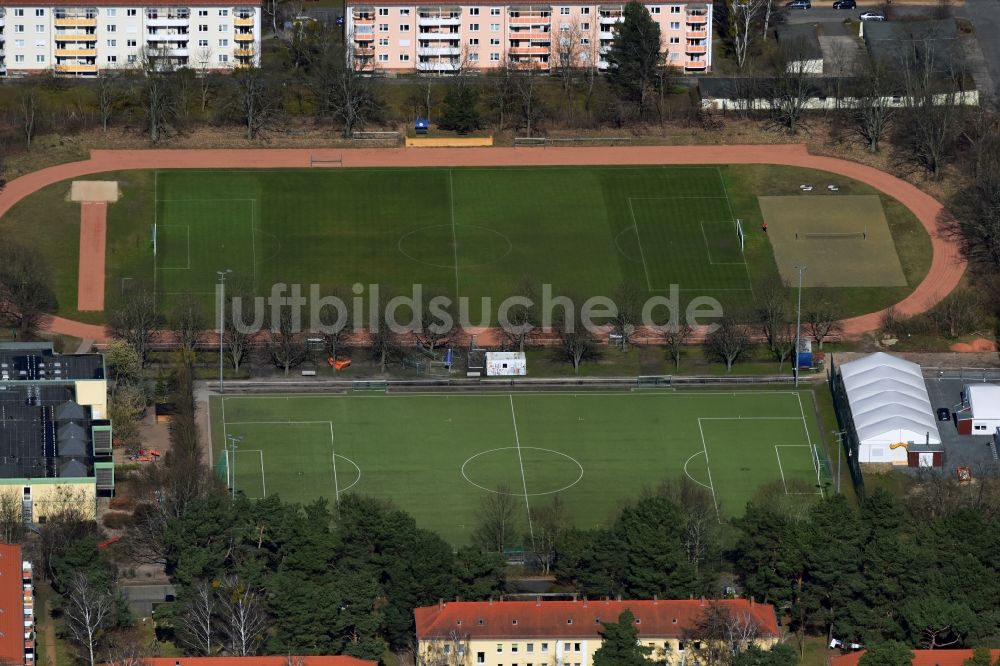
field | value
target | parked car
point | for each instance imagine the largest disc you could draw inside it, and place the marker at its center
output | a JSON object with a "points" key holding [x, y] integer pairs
{"points": [[872, 16], [845, 4], [799, 4], [944, 414]]}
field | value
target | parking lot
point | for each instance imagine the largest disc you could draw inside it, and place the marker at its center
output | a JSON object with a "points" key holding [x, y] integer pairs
{"points": [[975, 451]]}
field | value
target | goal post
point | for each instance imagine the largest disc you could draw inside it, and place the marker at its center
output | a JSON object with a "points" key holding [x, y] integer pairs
{"points": [[388, 137], [326, 160], [740, 235]]}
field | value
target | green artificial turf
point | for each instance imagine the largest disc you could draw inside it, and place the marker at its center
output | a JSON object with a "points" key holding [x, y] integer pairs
{"points": [[473, 232], [438, 455]]}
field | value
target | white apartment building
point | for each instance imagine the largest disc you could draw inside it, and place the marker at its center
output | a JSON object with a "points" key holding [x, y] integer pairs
{"points": [[396, 35], [82, 39]]}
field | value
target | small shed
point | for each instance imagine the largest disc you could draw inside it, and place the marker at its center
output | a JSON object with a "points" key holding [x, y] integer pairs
{"points": [[980, 413], [506, 364], [801, 47]]}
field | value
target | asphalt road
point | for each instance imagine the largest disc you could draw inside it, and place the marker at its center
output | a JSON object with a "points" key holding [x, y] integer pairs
{"points": [[985, 16]]}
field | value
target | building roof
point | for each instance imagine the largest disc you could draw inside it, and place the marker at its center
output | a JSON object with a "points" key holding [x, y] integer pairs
{"points": [[257, 661], [801, 38], [920, 657], [359, 4], [735, 87], [984, 400], [575, 619], [887, 393], [36, 361], [11, 605], [31, 435], [891, 40]]}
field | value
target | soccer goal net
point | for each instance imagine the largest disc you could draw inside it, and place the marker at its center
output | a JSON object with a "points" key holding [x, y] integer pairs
{"points": [[326, 160], [153, 238], [851, 235], [740, 235]]}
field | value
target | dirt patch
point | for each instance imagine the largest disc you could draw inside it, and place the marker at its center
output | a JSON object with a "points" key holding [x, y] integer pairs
{"points": [[94, 191], [977, 345]]}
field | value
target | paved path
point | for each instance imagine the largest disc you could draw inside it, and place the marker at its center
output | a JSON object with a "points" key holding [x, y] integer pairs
{"points": [[93, 241], [947, 265], [985, 17]]}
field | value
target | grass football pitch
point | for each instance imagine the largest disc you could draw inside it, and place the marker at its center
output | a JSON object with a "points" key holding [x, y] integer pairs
{"points": [[458, 232], [437, 455]]}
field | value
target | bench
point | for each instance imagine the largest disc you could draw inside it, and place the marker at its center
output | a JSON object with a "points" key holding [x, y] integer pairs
{"points": [[308, 373]]}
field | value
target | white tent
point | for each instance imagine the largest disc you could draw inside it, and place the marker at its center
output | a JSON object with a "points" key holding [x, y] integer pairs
{"points": [[889, 406]]}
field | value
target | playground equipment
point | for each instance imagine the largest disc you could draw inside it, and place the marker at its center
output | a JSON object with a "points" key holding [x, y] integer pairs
{"points": [[964, 474]]}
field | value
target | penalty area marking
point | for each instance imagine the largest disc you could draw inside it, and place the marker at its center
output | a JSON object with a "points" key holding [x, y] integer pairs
{"points": [[780, 469]]}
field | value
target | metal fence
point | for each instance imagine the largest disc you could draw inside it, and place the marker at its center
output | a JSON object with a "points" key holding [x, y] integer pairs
{"points": [[965, 374]]}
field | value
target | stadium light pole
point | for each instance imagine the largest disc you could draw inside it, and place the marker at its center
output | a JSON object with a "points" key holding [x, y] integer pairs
{"points": [[234, 441], [798, 328], [222, 322]]}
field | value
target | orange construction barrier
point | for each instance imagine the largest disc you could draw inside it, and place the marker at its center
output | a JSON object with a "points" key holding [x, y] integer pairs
{"points": [[340, 365]]}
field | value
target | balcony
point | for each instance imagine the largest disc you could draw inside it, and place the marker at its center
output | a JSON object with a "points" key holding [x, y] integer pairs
{"points": [[179, 37], [529, 50], [530, 20], [76, 53], [529, 64], [249, 53], [695, 48], [167, 52], [697, 19], [243, 22], [76, 22], [363, 21], [529, 34], [439, 51], [438, 66], [699, 65], [606, 34], [439, 20], [163, 22], [75, 37], [696, 34], [244, 37], [439, 35], [75, 69], [606, 20], [364, 53], [364, 37]]}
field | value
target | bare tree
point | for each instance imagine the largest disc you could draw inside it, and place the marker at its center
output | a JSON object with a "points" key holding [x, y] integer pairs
{"points": [[549, 522], [335, 331], [576, 341], [242, 322], [110, 94], [12, 528], [791, 87], [822, 321], [743, 16], [568, 59], [243, 621], [254, 100], [88, 611], [206, 78], [29, 112], [188, 324], [959, 313], [286, 347], [527, 84], [198, 622], [451, 651], [382, 338], [344, 86], [137, 322], [155, 92], [25, 288], [500, 95], [435, 322], [729, 341], [498, 522], [628, 312], [675, 336], [872, 111], [519, 322]]}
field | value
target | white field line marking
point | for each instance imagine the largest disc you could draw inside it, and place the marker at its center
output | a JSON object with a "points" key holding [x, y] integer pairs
{"points": [[638, 238], [708, 467], [524, 480], [263, 483], [708, 247], [732, 214], [454, 233], [333, 457], [795, 446], [688, 474], [780, 469], [805, 425], [420, 394], [187, 232]]}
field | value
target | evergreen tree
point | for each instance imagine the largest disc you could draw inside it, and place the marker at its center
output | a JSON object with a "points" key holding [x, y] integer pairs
{"points": [[621, 646], [635, 56], [892, 653], [781, 654], [460, 113]]}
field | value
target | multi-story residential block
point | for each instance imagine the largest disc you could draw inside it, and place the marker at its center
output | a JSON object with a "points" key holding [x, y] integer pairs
{"points": [[17, 611], [82, 39], [568, 633], [396, 35]]}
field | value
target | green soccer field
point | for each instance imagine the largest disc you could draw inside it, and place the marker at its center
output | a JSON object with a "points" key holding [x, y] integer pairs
{"points": [[458, 232], [437, 455]]}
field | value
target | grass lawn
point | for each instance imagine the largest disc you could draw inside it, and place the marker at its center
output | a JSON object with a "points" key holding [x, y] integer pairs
{"points": [[437, 455], [471, 232]]}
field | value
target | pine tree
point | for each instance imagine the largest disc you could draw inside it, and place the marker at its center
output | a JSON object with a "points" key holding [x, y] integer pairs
{"points": [[635, 56], [460, 113], [621, 646]]}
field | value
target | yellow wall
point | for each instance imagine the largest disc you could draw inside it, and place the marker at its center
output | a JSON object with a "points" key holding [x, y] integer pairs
{"points": [[93, 392], [448, 142], [49, 496], [545, 652]]}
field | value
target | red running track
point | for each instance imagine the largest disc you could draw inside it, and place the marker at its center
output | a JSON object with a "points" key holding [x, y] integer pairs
{"points": [[947, 265]]}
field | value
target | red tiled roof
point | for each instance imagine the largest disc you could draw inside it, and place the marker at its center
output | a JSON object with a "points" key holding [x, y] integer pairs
{"points": [[574, 619], [256, 661], [920, 657], [11, 605]]}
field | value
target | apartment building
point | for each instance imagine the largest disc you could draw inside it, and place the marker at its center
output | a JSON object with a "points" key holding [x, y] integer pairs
{"points": [[17, 612], [568, 633], [395, 35], [82, 39]]}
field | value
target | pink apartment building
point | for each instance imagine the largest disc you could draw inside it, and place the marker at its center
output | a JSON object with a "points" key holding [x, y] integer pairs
{"points": [[398, 36]]}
